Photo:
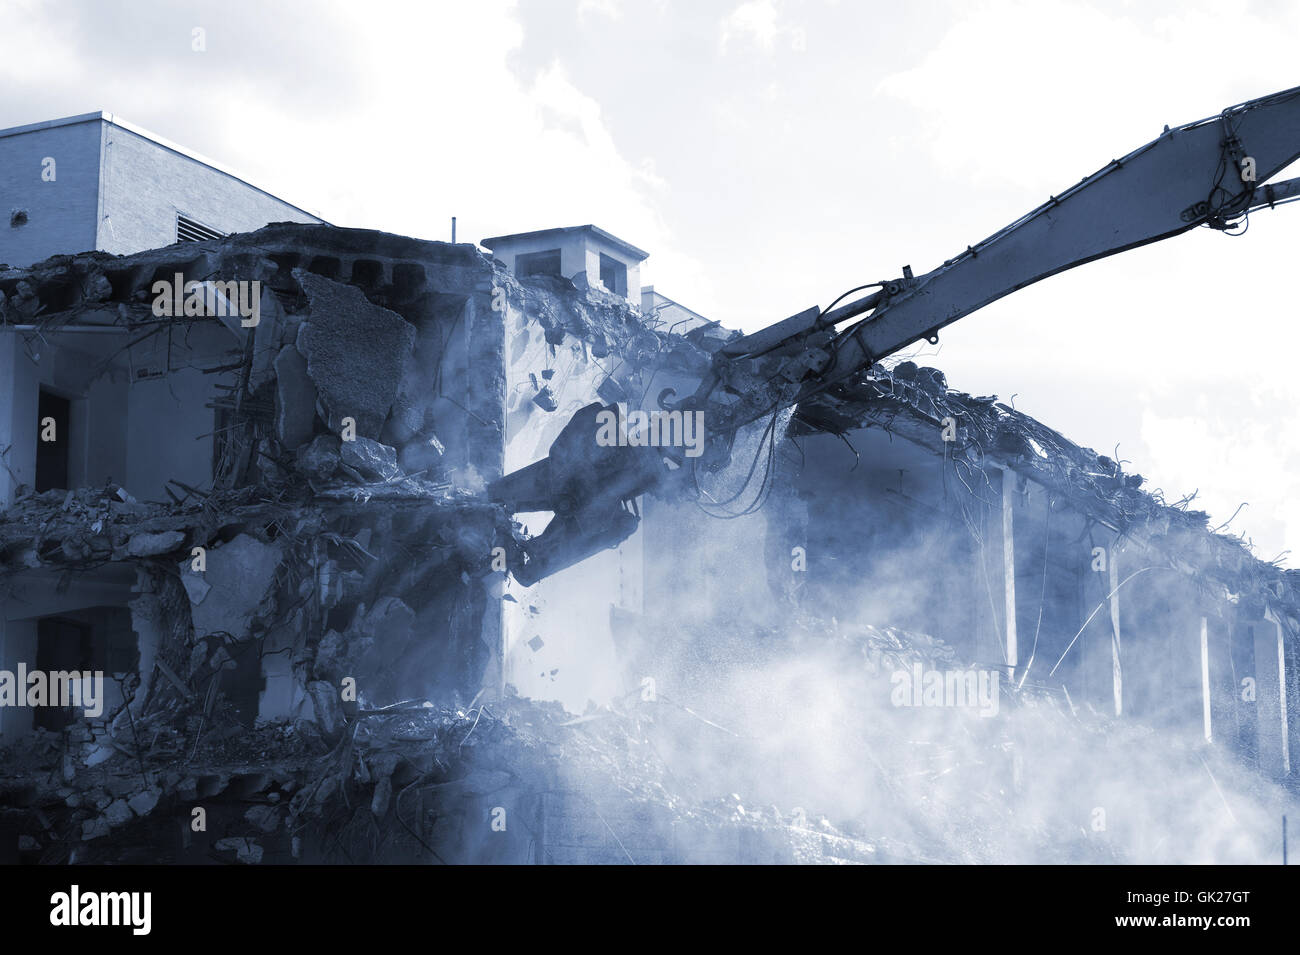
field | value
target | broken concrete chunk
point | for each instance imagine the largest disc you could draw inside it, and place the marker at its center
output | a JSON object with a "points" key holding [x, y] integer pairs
{"points": [[95, 286], [906, 371], [331, 654], [329, 711], [196, 588], [148, 545], [118, 813], [295, 399], [370, 458], [408, 417], [355, 352], [266, 335], [389, 619], [932, 380], [240, 574], [545, 399], [99, 754], [422, 455], [246, 850], [383, 795], [319, 460], [143, 802], [94, 828], [265, 818]]}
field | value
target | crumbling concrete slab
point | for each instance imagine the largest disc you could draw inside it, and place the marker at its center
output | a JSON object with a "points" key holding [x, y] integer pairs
{"points": [[370, 458], [328, 709], [355, 353], [295, 399], [149, 545], [266, 335], [239, 575], [196, 588], [118, 812], [143, 802], [320, 459], [246, 850]]}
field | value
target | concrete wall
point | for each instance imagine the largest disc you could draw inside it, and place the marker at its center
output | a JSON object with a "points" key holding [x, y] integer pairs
{"points": [[116, 190], [146, 184], [579, 255], [591, 255], [169, 433], [17, 643], [883, 545], [98, 419], [61, 214], [139, 434], [10, 352], [573, 258], [35, 594]]}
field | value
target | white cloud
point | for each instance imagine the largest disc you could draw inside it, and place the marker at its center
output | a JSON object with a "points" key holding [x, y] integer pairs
{"points": [[1027, 92], [760, 22], [609, 9], [1161, 347], [1224, 451], [398, 130]]}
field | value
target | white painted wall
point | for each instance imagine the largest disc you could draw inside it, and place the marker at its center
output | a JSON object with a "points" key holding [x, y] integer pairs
{"points": [[579, 255], [97, 420], [569, 610]]}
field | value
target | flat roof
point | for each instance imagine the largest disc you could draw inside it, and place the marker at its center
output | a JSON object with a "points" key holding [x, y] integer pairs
{"points": [[115, 120], [650, 290], [626, 247]]}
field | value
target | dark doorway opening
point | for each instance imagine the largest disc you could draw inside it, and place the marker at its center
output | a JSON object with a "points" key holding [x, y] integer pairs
{"points": [[52, 456], [61, 644]]}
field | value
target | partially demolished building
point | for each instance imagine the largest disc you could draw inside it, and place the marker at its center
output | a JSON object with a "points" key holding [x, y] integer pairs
{"points": [[274, 538]]}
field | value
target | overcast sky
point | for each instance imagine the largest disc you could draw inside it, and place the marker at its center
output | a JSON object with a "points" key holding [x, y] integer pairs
{"points": [[770, 155]]}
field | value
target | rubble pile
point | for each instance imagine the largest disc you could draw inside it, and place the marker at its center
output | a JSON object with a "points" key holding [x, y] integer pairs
{"points": [[663, 780], [414, 782], [345, 536]]}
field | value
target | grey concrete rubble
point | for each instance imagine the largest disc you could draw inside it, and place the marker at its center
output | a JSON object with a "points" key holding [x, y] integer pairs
{"points": [[343, 527], [312, 636]]}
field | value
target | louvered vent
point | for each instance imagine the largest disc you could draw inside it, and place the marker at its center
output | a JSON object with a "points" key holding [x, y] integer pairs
{"points": [[188, 230]]}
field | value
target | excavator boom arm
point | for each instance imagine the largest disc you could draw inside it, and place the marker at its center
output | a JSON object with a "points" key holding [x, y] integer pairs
{"points": [[1207, 172], [1210, 172]]}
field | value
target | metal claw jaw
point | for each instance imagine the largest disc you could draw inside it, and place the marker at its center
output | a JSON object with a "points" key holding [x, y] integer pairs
{"points": [[666, 403], [589, 485]]}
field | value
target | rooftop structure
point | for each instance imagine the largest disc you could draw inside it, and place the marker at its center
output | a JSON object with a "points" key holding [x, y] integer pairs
{"points": [[96, 181]]}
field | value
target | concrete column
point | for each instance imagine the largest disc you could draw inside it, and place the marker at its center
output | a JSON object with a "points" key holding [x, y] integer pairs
{"points": [[1270, 698], [1009, 566], [1283, 714], [1205, 679], [4, 659], [8, 406], [1117, 670]]}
